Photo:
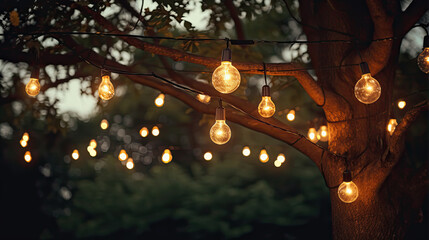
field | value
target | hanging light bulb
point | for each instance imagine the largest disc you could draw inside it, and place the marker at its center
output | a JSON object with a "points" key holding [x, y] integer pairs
{"points": [[122, 155], [130, 163], [281, 158], [93, 143], [312, 135], [226, 78], [391, 126], [277, 163], [203, 98], [220, 133], [106, 90], [33, 86], [155, 131], [367, 89], [266, 107], [323, 134], [208, 156], [291, 115], [27, 156], [159, 101], [166, 156], [104, 124], [75, 154], [348, 191], [401, 104], [23, 143], [423, 58], [263, 156], [25, 137], [144, 132], [246, 151]]}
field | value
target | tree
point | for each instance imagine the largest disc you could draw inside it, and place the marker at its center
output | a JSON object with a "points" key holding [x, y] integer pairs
{"points": [[390, 192]]}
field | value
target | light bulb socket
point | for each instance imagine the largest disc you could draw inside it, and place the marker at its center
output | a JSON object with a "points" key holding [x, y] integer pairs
{"points": [[104, 73], [266, 91], [426, 42], [35, 72], [347, 176], [220, 114], [364, 68], [226, 55]]}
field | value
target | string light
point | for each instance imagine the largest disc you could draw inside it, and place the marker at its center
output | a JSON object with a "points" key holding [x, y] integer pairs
{"points": [[106, 90], [348, 191], [323, 134], [291, 115], [312, 135], [122, 155], [367, 89], [263, 156], [27, 156], [144, 132], [25, 137], [391, 126], [159, 101], [23, 143], [75, 154], [93, 153], [226, 78], [423, 58], [220, 133], [246, 151], [281, 158], [203, 98], [166, 156], [93, 143], [277, 163], [104, 124], [208, 156], [130, 163], [266, 107], [401, 104], [33, 86], [155, 131]]}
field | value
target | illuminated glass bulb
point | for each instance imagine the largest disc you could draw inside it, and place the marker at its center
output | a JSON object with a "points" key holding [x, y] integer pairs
{"points": [[104, 124], [33, 87], [291, 115], [263, 156], [75, 154], [367, 89], [130, 163], [246, 151], [122, 155], [23, 143], [312, 135], [281, 158], [166, 156], [277, 163], [93, 143], [144, 132], [25, 137], [155, 131], [159, 101], [226, 78], [106, 90], [203, 98], [208, 156], [220, 133], [348, 191], [391, 126], [323, 134], [93, 153], [401, 104], [423, 58], [27, 156], [266, 107]]}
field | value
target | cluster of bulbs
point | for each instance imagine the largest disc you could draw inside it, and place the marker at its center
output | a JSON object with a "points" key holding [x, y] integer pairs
{"points": [[91, 148], [122, 156], [24, 142], [144, 131], [320, 135]]}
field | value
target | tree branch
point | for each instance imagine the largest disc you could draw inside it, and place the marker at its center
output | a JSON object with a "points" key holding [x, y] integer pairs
{"points": [[229, 4], [15, 56], [410, 16]]}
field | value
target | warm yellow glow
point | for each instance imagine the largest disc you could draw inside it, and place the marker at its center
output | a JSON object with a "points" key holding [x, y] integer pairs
{"points": [[122, 155], [226, 78], [220, 133], [89, 148], [423, 60], [312, 135], [33, 87], [402, 104], [367, 89], [266, 107], [281, 158], [277, 163], [208, 156], [323, 134], [166, 156], [106, 90], [348, 192], [130, 163], [27, 156], [93, 143], [155, 131], [159, 101], [291, 115], [263, 156], [75, 154], [23, 143], [93, 153], [246, 151], [104, 124], [144, 132], [391, 126], [25, 137], [203, 98]]}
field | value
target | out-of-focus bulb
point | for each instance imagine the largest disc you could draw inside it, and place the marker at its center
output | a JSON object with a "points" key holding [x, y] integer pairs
{"points": [[166, 156], [226, 78], [246, 151], [159, 101], [155, 131], [266, 107], [89, 148], [423, 58], [23, 143], [323, 134], [312, 135], [27, 156], [93, 153], [291, 115], [75, 154], [203, 98], [281, 158], [106, 90], [25, 137], [93, 143], [122, 155], [104, 124], [348, 191], [208, 156], [263, 156], [391, 126], [401, 104], [33, 87], [130, 163], [144, 132], [277, 163]]}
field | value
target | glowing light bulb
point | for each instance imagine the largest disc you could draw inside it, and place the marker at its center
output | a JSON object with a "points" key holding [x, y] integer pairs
{"points": [[23, 143], [122, 155], [203, 98], [106, 90], [93, 153], [220, 133], [166, 156], [25, 137], [208, 156], [93, 143], [246, 151], [277, 163], [266, 107], [144, 132], [348, 191], [155, 131], [75, 154], [423, 58], [401, 104], [391, 126], [27, 156], [263, 156], [281, 158], [291, 115], [323, 134], [89, 149], [130, 163], [104, 124], [159, 101], [312, 135], [33, 87], [367, 89], [226, 78]]}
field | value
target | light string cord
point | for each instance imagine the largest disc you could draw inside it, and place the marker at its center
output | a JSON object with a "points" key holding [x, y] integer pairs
{"points": [[265, 73]]}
